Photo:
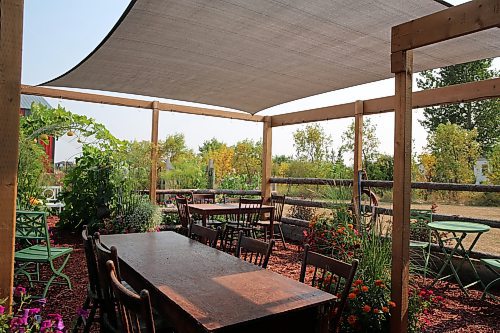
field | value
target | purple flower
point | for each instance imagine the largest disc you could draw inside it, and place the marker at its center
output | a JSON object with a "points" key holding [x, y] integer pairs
{"points": [[58, 320], [34, 311], [19, 291], [84, 313], [46, 325], [42, 301], [2, 309]]}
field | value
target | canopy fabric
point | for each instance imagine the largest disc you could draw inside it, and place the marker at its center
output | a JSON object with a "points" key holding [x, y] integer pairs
{"points": [[251, 55]]}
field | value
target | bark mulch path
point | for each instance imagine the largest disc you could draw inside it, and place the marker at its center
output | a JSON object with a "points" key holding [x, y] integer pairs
{"points": [[458, 313]]}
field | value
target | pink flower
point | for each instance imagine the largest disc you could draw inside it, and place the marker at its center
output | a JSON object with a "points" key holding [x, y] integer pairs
{"points": [[19, 291], [2, 309]]}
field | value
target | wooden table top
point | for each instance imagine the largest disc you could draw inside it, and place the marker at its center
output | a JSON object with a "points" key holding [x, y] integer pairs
{"points": [[216, 289], [227, 208]]}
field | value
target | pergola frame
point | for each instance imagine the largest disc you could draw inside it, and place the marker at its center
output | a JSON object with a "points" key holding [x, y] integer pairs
{"points": [[474, 16]]}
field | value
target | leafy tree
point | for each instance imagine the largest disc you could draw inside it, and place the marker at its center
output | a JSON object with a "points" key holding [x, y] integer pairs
{"points": [[312, 143], [370, 146], [173, 147], [382, 168], [494, 165], [481, 115], [223, 161], [456, 151], [428, 163], [248, 159], [210, 145]]}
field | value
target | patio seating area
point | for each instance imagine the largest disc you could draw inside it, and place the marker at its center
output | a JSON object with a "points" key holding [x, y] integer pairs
{"points": [[458, 314]]}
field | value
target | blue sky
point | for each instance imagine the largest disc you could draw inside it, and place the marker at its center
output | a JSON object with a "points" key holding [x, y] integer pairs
{"points": [[58, 34]]}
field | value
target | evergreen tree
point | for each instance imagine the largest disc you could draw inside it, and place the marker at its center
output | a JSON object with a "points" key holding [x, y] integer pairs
{"points": [[484, 116]]}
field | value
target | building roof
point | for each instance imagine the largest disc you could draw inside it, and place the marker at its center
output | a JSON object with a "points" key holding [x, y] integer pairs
{"points": [[251, 55], [27, 100]]}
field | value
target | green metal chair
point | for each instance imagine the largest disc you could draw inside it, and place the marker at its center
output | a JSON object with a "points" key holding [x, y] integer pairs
{"points": [[494, 266], [31, 227], [420, 234]]}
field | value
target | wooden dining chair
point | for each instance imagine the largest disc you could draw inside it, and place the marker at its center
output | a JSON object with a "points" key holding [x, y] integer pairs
{"points": [[135, 310], [242, 220], [107, 310], [184, 216], [327, 276], [94, 298], [204, 235], [254, 251], [278, 202]]}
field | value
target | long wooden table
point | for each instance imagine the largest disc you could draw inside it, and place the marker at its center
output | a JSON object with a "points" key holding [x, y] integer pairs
{"points": [[206, 210], [201, 289]]}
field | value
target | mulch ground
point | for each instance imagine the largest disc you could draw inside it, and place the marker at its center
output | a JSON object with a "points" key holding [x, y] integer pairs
{"points": [[458, 313]]}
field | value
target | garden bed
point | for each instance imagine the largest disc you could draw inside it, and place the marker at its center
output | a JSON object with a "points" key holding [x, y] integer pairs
{"points": [[458, 313]]}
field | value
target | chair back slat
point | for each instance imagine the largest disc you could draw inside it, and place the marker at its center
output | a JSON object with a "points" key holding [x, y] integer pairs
{"points": [[330, 275], [254, 251], [249, 219], [419, 218], [32, 226], [184, 216], [199, 198], [91, 258], [204, 235], [278, 201], [134, 309]]}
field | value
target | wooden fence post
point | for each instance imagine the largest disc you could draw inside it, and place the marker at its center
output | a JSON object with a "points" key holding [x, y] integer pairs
{"points": [[402, 66], [154, 152], [358, 158], [267, 143], [11, 36]]}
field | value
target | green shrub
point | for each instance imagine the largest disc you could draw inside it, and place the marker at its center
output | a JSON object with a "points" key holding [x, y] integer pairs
{"points": [[136, 214]]}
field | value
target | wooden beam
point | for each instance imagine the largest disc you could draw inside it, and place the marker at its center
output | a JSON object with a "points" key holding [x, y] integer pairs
{"points": [[449, 23], [11, 37], [153, 179], [267, 143], [307, 116], [358, 157], [458, 93], [135, 103], [401, 197]]}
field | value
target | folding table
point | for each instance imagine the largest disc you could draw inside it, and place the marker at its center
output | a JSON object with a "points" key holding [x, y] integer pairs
{"points": [[462, 228]]}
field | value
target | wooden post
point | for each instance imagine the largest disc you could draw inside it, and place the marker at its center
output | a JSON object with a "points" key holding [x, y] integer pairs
{"points": [[267, 143], [358, 157], [11, 36], [402, 66], [154, 152]]}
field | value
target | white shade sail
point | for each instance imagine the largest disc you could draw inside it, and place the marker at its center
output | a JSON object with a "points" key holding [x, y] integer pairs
{"points": [[251, 55]]}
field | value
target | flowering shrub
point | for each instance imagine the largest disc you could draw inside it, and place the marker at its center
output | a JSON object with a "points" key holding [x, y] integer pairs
{"points": [[420, 305], [367, 308], [26, 316], [334, 235]]}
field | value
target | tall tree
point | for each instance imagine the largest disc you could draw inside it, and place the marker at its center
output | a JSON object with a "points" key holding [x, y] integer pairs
{"points": [[248, 159], [312, 143], [481, 115], [370, 146], [456, 151]]}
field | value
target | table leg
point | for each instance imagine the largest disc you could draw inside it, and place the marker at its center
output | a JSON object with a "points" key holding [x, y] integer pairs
{"points": [[448, 262], [204, 219], [466, 257]]}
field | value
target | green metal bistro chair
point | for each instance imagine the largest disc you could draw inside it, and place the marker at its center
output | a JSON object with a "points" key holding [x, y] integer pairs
{"points": [[494, 266], [420, 234], [32, 227]]}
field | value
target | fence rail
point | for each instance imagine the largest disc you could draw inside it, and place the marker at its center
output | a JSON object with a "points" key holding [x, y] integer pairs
{"points": [[387, 184]]}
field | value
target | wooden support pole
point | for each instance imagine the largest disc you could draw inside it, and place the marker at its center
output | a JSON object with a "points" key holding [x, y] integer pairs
{"points": [[11, 36], [267, 143], [358, 157], [154, 152], [401, 194]]}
